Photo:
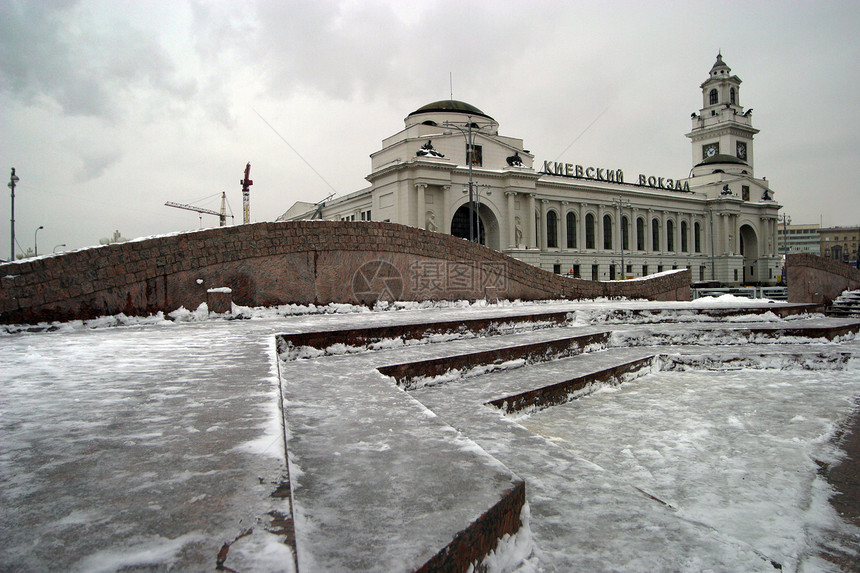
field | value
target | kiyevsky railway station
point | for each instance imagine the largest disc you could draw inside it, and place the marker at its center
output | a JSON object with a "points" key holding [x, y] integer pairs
{"points": [[588, 221]]}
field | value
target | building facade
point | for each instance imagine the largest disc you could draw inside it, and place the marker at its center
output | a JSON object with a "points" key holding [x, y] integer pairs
{"points": [[840, 244], [799, 239], [450, 171]]}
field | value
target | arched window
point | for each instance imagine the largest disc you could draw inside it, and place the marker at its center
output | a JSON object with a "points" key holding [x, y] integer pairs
{"points": [[589, 231], [713, 97], [625, 234], [571, 231], [551, 230], [607, 232], [684, 243], [655, 235], [640, 234], [697, 237], [670, 235], [732, 95]]}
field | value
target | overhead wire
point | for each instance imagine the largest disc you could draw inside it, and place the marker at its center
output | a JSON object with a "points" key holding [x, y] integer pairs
{"points": [[295, 151]]}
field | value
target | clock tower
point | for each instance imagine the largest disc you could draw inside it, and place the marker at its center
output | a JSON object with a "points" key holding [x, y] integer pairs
{"points": [[722, 134]]}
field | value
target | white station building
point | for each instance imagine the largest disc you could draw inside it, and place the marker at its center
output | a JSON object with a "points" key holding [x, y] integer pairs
{"points": [[591, 222]]}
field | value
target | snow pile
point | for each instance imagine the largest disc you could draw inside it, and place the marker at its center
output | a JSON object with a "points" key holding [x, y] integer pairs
{"points": [[729, 301]]}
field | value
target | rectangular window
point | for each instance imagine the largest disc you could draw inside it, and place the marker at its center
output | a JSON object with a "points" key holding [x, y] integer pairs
{"points": [[701, 273], [556, 269], [477, 155], [659, 268], [745, 192], [644, 270], [576, 271], [595, 270]]}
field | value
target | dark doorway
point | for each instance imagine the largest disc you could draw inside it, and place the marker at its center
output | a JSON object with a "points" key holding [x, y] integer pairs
{"points": [[460, 224]]}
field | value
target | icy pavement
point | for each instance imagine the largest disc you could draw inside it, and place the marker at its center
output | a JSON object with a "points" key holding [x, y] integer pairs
{"points": [[125, 447], [148, 447]]}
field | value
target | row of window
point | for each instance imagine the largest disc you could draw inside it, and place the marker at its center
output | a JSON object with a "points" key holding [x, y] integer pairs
{"points": [[714, 97], [365, 216], [575, 271], [590, 233]]}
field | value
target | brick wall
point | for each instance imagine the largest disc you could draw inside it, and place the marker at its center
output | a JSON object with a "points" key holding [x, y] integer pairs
{"points": [[294, 262], [815, 279]]}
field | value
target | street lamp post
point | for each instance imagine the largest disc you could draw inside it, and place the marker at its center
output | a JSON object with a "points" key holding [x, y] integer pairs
{"points": [[13, 180], [57, 247], [619, 202], [785, 222], [470, 151], [36, 241], [476, 196]]}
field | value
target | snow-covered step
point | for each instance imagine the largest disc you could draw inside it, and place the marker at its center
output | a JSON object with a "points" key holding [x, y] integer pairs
{"points": [[497, 386], [733, 333], [399, 334], [417, 373], [379, 483], [846, 304]]}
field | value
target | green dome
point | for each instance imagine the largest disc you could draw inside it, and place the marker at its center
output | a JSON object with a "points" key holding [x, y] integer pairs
{"points": [[450, 105], [722, 158]]}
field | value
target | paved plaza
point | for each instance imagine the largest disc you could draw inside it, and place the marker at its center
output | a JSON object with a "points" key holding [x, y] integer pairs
{"points": [[159, 444]]}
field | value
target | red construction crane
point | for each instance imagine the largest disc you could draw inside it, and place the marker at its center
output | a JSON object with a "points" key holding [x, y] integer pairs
{"points": [[246, 200]]}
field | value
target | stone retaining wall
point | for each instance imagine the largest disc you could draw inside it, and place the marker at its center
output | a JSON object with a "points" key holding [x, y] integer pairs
{"points": [[301, 262], [818, 280]]}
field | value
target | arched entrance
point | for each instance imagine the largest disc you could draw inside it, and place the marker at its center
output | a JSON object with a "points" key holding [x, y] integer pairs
{"points": [[485, 225], [749, 250]]}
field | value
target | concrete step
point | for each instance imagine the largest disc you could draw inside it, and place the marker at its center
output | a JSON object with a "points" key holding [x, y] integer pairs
{"points": [[379, 483]]}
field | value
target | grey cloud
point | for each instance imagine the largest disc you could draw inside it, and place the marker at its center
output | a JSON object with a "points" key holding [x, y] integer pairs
{"points": [[57, 50], [367, 49], [95, 164]]}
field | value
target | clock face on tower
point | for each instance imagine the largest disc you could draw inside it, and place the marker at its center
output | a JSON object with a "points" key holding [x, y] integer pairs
{"points": [[742, 150], [711, 149]]}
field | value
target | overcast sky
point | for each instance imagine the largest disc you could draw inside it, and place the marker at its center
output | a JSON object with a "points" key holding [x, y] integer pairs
{"points": [[110, 108]]}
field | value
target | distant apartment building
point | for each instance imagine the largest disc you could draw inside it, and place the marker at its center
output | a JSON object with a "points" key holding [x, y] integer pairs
{"points": [[839, 244], [799, 239]]}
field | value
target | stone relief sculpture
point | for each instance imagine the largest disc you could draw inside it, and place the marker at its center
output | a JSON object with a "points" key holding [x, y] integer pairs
{"points": [[518, 232], [430, 222]]}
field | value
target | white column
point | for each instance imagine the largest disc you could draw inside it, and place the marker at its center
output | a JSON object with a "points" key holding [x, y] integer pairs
{"points": [[562, 245], [421, 206], [649, 235], [530, 221], [512, 219], [445, 224], [580, 245], [664, 239], [599, 238], [543, 230]]}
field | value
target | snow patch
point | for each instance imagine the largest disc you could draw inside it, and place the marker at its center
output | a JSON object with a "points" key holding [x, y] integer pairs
{"points": [[512, 551], [155, 551]]}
